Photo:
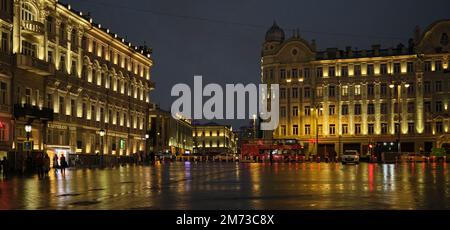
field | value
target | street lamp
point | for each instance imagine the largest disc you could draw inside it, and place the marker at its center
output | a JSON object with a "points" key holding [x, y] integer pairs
{"points": [[318, 107], [28, 129], [399, 90], [101, 133]]}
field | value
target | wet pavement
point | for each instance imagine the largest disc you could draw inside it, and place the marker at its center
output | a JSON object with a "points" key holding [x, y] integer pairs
{"points": [[189, 185]]}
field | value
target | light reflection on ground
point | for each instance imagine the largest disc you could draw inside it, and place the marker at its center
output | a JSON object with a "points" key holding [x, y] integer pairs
{"points": [[185, 185]]}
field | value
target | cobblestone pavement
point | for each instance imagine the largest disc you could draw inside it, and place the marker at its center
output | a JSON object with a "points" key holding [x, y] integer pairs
{"points": [[189, 185]]}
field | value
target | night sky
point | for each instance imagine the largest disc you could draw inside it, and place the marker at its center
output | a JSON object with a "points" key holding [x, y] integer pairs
{"points": [[221, 40]]}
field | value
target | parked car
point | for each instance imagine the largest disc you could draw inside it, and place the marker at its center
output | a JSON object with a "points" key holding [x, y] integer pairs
{"points": [[350, 156]]}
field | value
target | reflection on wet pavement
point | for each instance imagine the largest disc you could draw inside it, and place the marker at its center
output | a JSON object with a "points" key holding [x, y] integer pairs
{"points": [[235, 186]]}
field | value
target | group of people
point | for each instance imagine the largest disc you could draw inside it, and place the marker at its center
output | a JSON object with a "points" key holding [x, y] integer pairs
{"points": [[60, 163]]}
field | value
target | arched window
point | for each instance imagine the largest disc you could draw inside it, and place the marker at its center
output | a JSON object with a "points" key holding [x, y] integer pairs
{"points": [[28, 12]]}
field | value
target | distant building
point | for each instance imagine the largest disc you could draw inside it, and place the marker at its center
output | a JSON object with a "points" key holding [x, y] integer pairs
{"points": [[169, 134], [356, 99], [213, 138]]}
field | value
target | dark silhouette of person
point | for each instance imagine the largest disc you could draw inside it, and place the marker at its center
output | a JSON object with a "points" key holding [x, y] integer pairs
{"points": [[63, 165]]}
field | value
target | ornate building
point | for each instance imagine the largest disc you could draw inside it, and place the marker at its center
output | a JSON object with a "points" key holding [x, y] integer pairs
{"points": [[82, 88], [355, 99], [213, 139]]}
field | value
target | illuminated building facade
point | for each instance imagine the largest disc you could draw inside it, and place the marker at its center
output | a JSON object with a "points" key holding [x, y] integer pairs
{"points": [[213, 139], [352, 99], [71, 80], [169, 134]]}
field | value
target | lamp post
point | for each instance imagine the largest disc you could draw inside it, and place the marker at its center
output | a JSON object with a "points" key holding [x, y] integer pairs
{"points": [[28, 129], [399, 90], [318, 107], [102, 134]]}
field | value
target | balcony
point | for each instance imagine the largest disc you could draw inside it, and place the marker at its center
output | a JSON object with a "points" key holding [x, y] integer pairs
{"points": [[34, 65], [29, 111], [33, 27]]}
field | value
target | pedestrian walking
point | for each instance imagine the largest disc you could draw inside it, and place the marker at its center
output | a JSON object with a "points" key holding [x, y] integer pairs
{"points": [[5, 167], [40, 165], [46, 165], [55, 163], [63, 165]]}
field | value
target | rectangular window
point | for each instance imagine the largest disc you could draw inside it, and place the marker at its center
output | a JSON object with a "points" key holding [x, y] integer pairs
{"points": [[427, 66], [295, 111], [283, 111], [307, 92], [438, 86], [320, 129], [344, 90], [344, 110], [439, 106], [357, 129], [4, 42], [50, 100], [383, 69], [410, 67], [295, 92], [73, 108], [331, 71], [283, 130], [427, 87], [384, 128], [62, 63], [370, 108], [411, 128], [357, 90], [438, 65], [283, 93], [357, 109], [295, 129], [383, 89], [319, 92], [396, 68], [28, 96], [344, 129], [370, 89], [306, 72], [344, 71], [307, 111], [332, 129], [28, 48], [61, 106], [370, 129], [307, 129], [370, 69], [331, 91], [74, 68], [84, 110], [93, 113], [331, 110], [357, 70], [319, 72], [383, 108], [295, 73], [3, 93], [439, 127], [282, 74]]}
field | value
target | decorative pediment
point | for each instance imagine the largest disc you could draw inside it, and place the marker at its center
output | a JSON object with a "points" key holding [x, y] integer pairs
{"points": [[436, 38]]}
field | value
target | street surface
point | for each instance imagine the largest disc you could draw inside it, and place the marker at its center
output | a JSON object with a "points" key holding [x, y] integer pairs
{"points": [[189, 185]]}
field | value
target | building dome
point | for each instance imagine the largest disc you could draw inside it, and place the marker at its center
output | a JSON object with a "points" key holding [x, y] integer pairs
{"points": [[275, 34]]}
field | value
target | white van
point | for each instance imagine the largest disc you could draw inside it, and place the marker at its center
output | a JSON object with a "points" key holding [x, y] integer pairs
{"points": [[350, 156]]}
